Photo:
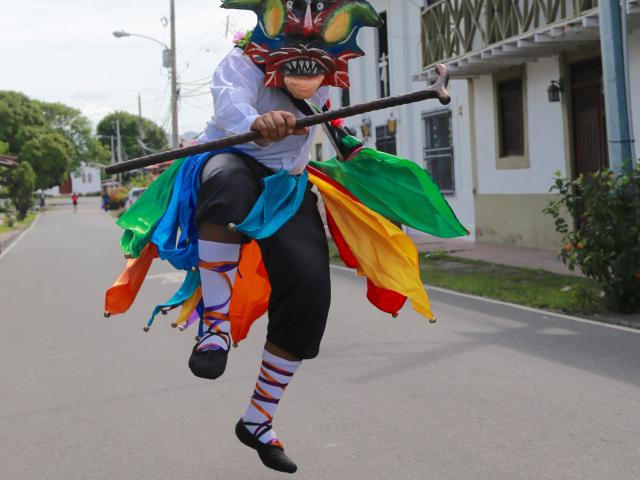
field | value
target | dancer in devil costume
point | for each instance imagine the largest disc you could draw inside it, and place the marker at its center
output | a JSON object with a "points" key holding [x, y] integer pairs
{"points": [[245, 219]]}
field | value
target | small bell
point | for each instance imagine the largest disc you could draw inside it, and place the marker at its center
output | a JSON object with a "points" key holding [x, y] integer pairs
{"points": [[146, 329], [174, 325], [107, 315], [232, 227], [434, 321], [128, 256], [395, 315], [235, 345]]}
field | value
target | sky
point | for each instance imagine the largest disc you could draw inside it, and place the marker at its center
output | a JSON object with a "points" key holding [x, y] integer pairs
{"points": [[64, 51]]}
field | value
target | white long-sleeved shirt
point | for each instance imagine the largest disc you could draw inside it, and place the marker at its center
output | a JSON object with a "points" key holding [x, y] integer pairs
{"points": [[239, 97]]}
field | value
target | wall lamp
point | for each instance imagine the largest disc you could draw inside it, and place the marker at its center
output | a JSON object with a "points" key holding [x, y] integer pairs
{"points": [[554, 90], [365, 127]]}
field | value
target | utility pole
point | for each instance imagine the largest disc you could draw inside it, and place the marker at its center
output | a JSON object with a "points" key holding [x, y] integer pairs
{"points": [[113, 150], [140, 125], [615, 87], [174, 80], [118, 147]]}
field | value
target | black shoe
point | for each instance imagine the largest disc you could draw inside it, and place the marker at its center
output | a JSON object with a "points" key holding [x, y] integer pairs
{"points": [[209, 364], [272, 456]]}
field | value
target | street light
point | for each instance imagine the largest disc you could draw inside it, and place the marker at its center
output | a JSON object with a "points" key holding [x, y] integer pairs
{"points": [[122, 34], [168, 61]]}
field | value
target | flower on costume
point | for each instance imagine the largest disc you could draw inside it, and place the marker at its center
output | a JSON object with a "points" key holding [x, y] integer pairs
{"points": [[242, 39]]}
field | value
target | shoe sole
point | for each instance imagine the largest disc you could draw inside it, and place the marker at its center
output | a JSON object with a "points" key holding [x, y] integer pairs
{"points": [[252, 442], [209, 365]]}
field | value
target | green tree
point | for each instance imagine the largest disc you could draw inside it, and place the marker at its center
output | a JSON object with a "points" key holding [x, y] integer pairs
{"points": [[77, 129], [21, 186], [16, 112], [155, 137], [50, 154]]}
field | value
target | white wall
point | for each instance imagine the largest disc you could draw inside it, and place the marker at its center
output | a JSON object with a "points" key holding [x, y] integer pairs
{"points": [[87, 180], [545, 130], [403, 26]]}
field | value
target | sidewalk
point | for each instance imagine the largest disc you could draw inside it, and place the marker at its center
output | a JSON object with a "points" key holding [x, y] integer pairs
{"points": [[513, 256]]}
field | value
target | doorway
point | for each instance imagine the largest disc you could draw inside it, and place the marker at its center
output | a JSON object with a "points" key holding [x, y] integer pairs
{"points": [[588, 117]]}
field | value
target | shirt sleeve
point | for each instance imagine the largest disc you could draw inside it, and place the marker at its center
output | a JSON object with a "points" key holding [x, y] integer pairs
{"points": [[235, 88]]}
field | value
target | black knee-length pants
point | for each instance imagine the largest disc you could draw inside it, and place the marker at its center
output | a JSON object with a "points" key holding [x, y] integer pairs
{"points": [[296, 257]]}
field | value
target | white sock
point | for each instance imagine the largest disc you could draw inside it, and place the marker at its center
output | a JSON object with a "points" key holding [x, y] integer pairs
{"points": [[218, 267], [275, 375]]}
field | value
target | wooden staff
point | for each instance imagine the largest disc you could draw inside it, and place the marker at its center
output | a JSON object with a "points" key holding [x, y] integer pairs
{"points": [[437, 90]]}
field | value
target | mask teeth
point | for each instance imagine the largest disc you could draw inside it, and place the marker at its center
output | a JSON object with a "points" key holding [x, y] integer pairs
{"points": [[302, 67]]}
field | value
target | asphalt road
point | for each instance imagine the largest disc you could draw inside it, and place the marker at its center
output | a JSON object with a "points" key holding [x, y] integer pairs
{"points": [[490, 392]]}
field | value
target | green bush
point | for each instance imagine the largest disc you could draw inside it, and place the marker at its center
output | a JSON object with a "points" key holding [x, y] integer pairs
{"points": [[602, 238], [118, 198], [23, 181], [141, 181]]}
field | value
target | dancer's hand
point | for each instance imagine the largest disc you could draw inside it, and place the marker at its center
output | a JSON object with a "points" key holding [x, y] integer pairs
{"points": [[276, 126]]}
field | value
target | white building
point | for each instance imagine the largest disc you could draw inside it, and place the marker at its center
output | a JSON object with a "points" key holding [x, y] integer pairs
{"points": [[85, 180], [495, 149]]}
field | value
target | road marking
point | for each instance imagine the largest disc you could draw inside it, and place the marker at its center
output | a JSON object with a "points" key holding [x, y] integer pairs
{"points": [[544, 313], [13, 244]]}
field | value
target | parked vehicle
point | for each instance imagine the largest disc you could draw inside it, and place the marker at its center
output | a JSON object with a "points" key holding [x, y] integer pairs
{"points": [[134, 194]]}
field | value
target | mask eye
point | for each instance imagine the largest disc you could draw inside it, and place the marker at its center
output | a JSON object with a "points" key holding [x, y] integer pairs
{"points": [[320, 6], [338, 27], [290, 5]]}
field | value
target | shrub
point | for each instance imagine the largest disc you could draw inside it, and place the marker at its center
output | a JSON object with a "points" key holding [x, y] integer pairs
{"points": [[141, 181], [602, 238], [23, 181], [118, 198]]}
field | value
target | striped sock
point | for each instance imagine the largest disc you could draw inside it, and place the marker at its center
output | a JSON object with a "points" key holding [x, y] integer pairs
{"points": [[275, 375], [218, 267]]}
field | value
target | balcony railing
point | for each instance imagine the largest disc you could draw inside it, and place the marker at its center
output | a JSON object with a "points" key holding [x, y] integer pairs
{"points": [[453, 28]]}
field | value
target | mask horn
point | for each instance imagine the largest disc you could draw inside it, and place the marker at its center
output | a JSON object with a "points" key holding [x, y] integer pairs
{"points": [[365, 15], [270, 12], [254, 5]]}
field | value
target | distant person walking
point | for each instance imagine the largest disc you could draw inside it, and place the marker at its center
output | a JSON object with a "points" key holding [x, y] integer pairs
{"points": [[106, 201], [42, 202], [74, 200]]}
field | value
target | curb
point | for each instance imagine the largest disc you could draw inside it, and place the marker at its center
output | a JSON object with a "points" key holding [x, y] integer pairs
{"points": [[627, 326]]}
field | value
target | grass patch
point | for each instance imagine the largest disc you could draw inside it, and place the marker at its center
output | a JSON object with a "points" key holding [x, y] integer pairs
{"points": [[522, 286], [31, 216]]}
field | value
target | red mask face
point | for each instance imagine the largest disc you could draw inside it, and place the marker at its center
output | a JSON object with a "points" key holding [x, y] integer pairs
{"points": [[305, 44]]}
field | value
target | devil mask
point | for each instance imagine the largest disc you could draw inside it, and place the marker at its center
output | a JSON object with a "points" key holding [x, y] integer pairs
{"points": [[305, 44]]}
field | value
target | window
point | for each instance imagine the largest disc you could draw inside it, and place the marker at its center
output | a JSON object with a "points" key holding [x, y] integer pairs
{"points": [[319, 152], [385, 142], [438, 150], [383, 58], [345, 95], [89, 178], [511, 117]]}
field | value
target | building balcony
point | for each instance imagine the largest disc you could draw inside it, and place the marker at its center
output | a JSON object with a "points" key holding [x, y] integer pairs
{"points": [[475, 37]]}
